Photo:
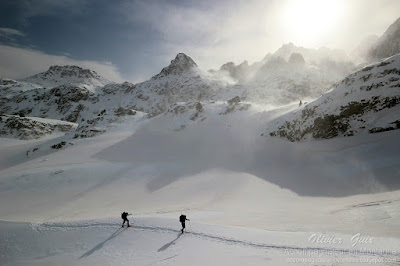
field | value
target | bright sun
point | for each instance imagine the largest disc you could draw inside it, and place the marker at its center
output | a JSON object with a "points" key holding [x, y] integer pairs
{"points": [[307, 20]]}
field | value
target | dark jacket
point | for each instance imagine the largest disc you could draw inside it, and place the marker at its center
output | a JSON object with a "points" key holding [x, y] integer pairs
{"points": [[182, 218]]}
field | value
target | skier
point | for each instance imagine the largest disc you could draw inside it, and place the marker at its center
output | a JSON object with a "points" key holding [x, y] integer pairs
{"points": [[182, 219], [124, 217]]}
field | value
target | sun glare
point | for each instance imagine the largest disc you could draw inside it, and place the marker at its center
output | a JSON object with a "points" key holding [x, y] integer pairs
{"points": [[307, 20]]}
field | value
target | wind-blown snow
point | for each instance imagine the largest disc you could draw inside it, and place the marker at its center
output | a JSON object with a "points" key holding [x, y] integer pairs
{"points": [[365, 101], [195, 142]]}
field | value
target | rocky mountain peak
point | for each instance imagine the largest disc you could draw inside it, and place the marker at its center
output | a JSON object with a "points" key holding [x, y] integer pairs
{"points": [[68, 74], [237, 72], [70, 71], [182, 59], [286, 50], [182, 63], [227, 66], [275, 62], [297, 58]]}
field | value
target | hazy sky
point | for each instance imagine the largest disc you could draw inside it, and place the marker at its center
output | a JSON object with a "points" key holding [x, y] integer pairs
{"points": [[133, 40]]}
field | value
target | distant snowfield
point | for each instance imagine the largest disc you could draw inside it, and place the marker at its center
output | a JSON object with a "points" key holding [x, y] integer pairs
{"points": [[252, 200]]}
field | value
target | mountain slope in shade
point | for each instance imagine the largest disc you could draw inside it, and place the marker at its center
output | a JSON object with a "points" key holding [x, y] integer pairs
{"points": [[388, 44], [367, 101]]}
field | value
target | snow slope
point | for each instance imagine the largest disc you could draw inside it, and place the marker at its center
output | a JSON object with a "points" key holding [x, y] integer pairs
{"points": [[251, 200], [158, 242]]}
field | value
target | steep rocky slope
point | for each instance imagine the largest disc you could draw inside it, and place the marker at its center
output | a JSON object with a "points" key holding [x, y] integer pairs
{"points": [[367, 101], [32, 128], [181, 81]]}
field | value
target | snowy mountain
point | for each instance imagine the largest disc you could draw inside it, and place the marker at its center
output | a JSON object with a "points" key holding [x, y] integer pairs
{"points": [[80, 96], [181, 64], [312, 56], [366, 101], [388, 44], [237, 72], [181, 81], [290, 74], [77, 95], [68, 75], [280, 82], [335, 63], [72, 94], [76, 151]]}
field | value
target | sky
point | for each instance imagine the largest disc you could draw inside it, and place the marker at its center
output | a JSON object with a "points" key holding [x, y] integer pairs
{"points": [[133, 40]]}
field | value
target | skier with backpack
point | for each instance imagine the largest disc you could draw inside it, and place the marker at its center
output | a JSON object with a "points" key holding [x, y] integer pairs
{"points": [[124, 217], [182, 219]]}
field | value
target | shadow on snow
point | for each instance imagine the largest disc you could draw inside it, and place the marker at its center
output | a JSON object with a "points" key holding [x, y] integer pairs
{"points": [[99, 246], [169, 244]]}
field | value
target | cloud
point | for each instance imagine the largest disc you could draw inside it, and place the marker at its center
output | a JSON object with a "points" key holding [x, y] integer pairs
{"points": [[215, 32], [212, 32], [10, 34], [19, 63], [59, 8]]}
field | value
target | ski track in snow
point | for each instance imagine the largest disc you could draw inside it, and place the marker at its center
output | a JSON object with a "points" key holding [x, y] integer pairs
{"points": [[45, 227]]}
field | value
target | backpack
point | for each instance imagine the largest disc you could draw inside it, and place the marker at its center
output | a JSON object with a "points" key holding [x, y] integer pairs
{"points": [[182, 218], [123, 215]]}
